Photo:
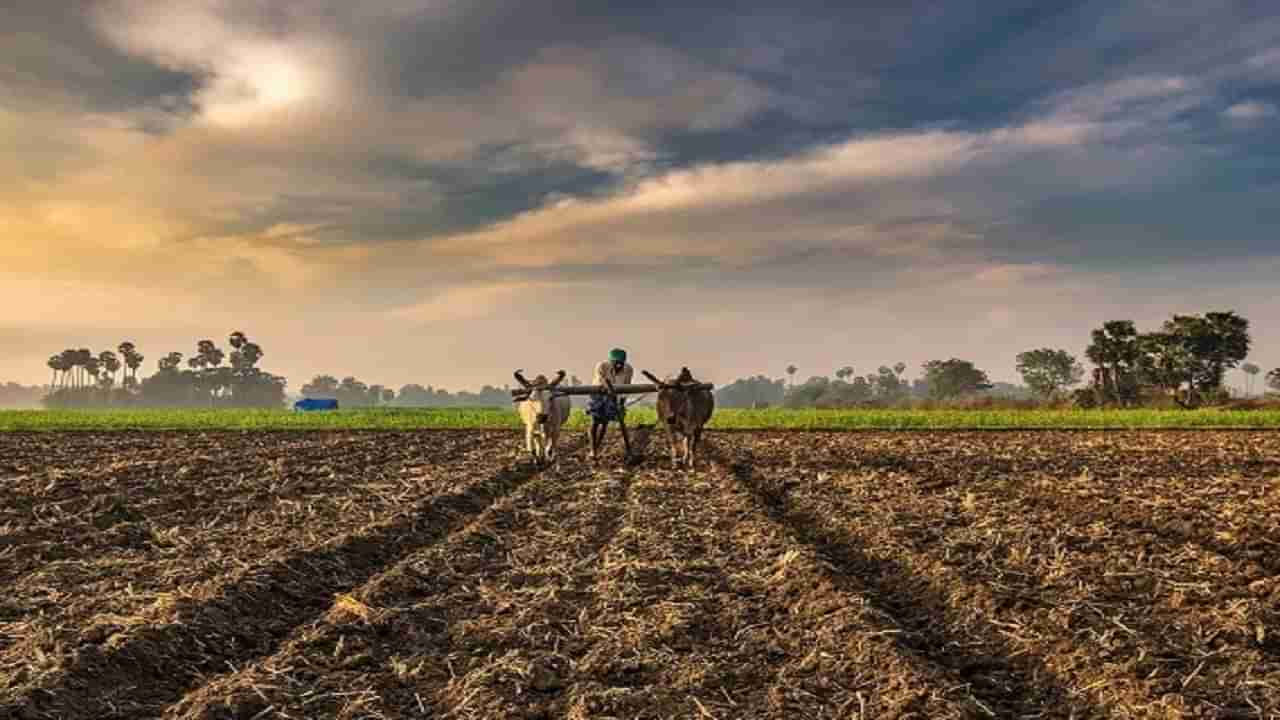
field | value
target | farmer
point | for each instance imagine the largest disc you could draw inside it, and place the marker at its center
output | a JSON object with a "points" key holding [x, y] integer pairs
{"points": [[605, 408]]}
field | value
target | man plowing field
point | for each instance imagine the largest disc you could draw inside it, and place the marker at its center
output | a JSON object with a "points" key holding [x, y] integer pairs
{"points": [[605, 408]]}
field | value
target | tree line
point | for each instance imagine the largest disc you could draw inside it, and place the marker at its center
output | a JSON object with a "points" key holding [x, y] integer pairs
{"points": [[888, 386], [82, 378], [1184, 362], [353, 392]]}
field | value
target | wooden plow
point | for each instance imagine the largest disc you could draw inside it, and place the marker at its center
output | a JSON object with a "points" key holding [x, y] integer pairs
{"points": [[613, 391]]}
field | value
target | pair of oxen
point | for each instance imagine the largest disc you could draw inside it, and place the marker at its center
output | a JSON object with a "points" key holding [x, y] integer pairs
{"points": [[684, 407]]}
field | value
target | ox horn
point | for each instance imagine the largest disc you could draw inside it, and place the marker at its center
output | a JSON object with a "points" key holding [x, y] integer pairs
{"points": [[520, 379], [559, 379], [654, 380]]}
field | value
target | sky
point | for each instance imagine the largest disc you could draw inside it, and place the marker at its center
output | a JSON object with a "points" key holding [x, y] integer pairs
{"points": [[441, 192]]}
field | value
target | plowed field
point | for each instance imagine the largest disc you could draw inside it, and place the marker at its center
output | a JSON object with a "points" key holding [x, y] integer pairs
{"points": [[434, 574]]}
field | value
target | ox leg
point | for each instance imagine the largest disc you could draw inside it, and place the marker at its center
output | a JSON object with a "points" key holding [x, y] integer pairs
{"points": [[693, 447], [673, 440]]}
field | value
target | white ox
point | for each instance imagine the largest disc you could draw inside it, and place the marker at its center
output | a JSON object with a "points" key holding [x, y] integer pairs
{"points": [[543, 413]]}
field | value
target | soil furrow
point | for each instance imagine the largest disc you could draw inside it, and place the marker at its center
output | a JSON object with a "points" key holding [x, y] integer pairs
{"points": [[824, 575], [1207, 622], [1001, 681], [403, 643], [44, 612], [706, 609], [1063, 603], [140, 668], [130, 505]]}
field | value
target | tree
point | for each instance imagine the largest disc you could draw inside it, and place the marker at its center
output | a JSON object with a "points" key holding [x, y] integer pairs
{"points": [[245, 354], [170, 363], [55, 364], [1273, 379], [388, 396], [1191, 354], [352, 393], [886, 383], [323, 386], [132, 361], [1117, 352], [754, 392], [412, 395], [1166, 362], [1047, 371], [845, 372], [953, 378], [899, 368], [87, 360], [809, 394], [791, 373], [69, 361], [1250, 371], [211, 356], [111, 365]]}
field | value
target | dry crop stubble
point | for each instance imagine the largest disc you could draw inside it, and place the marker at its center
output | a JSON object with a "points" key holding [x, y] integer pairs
{"points": [[175, 543], [194, 630], [823, 575], [439, 632], [1059, 593]]}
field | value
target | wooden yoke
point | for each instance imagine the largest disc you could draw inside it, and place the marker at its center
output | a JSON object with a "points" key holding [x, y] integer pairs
{"points": [[520, 393]]}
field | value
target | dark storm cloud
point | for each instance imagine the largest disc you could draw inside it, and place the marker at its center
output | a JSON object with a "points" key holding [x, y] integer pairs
{"points": [[50, 55]]}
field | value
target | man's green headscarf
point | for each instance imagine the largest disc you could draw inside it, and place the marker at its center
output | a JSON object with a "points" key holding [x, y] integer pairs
{"points": [[617, 355]]}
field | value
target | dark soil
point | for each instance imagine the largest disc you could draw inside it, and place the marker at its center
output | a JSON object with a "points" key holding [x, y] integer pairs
{"points": [[793, 575]]}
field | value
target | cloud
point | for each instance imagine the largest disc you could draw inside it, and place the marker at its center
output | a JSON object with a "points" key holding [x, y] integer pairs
{"points": [[361, 168], [1249, 111], [248, 75], [471, 302]]}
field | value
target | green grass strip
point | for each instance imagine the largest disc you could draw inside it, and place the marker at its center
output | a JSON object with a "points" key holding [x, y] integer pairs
{"points": [[496, 418]]}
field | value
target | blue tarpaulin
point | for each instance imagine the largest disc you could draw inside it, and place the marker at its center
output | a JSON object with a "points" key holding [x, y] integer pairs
{"points": [[316, 404]]}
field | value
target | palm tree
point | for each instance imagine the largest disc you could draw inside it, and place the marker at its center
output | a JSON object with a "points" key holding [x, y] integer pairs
{"points": [[844, 372], [209, 354], [1250, 370], [92, 367], [791, 373], [70, 363], [85, 359], [132, 361], [899, 369], [55, 364], [172, 361], [111, 364]]}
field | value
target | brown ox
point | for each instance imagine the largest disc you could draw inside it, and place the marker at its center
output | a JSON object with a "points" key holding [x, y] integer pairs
{"points": [[684, 410]]}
